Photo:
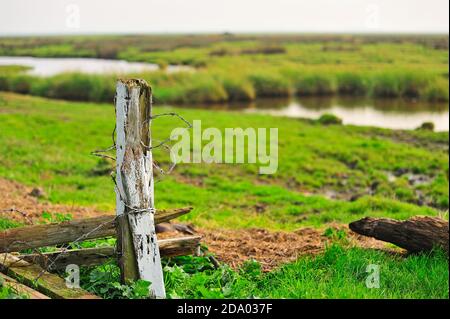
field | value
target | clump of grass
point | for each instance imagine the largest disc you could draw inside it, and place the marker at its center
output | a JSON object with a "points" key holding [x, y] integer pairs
{"points": [[101, 89], [239, 89], [315, 84], [400, 83], [4, 83], [7, 223], [412, 83], [104, 281], [13, 79], [351, 83], [270, 85], [329, 119], [20, 83], [186, 87], [75, 87], [426, 126], [204, 90], [437, 90], [385, 84]]}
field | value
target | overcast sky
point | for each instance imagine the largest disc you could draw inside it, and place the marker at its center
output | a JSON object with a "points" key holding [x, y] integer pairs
{"points": [[188, 16]]}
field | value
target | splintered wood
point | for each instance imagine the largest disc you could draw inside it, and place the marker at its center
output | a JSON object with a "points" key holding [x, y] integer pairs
{"points": [[35, 236], [21, 289], [34, 276], [140, 256], [58, 260]]}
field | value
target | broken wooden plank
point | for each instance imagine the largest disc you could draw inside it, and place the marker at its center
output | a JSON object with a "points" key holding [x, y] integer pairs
{"points": [[96, 256], [58, 260], [181, 246], [164, 215], [21, 289], [420, 233], [34, 276], [17, 239], [134, 181]]}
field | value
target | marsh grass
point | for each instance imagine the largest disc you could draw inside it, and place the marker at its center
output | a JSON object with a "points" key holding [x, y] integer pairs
{"points": [[242, 68], [437, 90], [354, 84], [206, 87], [270, 85], [315, 84]]}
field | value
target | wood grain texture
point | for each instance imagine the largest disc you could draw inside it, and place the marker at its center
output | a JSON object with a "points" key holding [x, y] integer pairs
{"points": [[48, 284], [58, 260], [96, 256], [134, 180], [21, 289], [17, 239], [417, 234]]}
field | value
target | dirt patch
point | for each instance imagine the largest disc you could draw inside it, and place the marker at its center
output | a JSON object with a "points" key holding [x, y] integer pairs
{"points": [[18, 204], [190, 180], [232, 247], [271, 249]]}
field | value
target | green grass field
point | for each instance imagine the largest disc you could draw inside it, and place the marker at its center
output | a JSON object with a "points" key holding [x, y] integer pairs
{"points": [[41, 144], [232, 68], [340, 272], [48, 143]]}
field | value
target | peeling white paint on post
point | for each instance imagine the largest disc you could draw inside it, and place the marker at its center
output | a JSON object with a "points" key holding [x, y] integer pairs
{"points": [[121, 107], [134, 192]]}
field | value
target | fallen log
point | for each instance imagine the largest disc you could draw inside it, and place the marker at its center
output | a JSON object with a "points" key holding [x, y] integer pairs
{"points": [[417, 234], [96, 256], [34, 276], [29, 237], [21, 289]]}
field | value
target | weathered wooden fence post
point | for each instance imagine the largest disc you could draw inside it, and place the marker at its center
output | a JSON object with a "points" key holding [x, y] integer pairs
{"points": [[137, 244]]}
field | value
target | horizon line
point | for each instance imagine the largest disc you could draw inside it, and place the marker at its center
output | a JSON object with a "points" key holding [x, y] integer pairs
{"points": [[112, 33]]}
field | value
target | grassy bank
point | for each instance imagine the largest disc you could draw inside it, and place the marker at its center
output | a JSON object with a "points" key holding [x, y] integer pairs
{"points": [[242, 68], [369, 172]]}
